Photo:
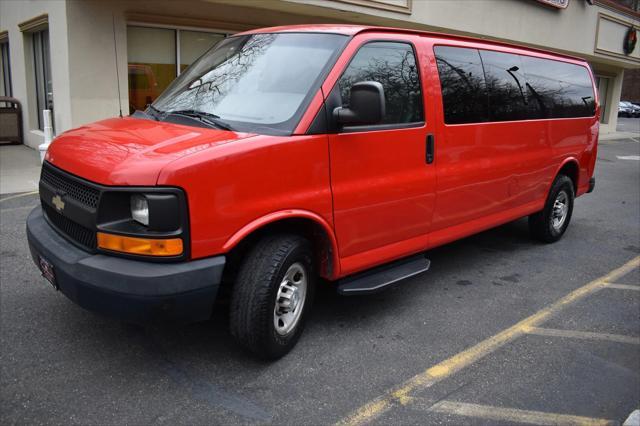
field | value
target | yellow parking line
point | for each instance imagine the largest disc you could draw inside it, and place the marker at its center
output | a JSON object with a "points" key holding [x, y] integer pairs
{"points": [[513, 415], [18, 196], [584, 335], [624, 286], [401, 395]]}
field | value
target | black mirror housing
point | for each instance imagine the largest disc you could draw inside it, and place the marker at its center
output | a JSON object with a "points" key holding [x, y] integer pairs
{"points": [[366, 105]]}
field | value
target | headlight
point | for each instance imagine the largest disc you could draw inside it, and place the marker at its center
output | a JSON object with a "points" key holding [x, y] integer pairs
{"points": [[140, 209]]}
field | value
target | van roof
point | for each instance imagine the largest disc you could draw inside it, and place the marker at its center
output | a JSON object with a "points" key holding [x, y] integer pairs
{"points": [[351, 30]]}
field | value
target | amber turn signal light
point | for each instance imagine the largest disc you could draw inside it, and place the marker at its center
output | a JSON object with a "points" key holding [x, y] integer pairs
{"points": [[142, 246]]}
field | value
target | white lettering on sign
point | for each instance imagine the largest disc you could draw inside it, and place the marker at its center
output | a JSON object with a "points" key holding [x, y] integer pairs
{"points": [[560, 4]]}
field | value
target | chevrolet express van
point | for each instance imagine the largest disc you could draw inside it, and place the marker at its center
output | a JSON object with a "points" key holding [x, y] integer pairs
{"points": [[289, 154]]}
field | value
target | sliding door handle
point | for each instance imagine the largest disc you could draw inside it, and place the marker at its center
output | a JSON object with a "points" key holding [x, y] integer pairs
{"points": [[430, 148]]}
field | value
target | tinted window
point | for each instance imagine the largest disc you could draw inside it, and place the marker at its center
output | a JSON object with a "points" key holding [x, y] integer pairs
{"points": [[506, 86], [558, 89], [394, 66], [464, 96]]}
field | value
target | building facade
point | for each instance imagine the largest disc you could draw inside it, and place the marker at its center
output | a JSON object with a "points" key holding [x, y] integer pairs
{"points": [[88, 59]]}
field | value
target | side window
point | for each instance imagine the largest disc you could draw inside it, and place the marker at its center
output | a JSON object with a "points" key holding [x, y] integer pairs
{"points": [[558, 89], [464, 95], [393, 64], [506, 85]]}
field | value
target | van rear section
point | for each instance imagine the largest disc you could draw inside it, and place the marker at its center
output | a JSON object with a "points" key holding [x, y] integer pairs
{"points": [[288, 157]]}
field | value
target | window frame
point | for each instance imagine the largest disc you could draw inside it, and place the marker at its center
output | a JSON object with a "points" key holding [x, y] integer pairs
{"points": [[176, 36], [41, 74], [335, 92], [176, 29], [7, 84]]}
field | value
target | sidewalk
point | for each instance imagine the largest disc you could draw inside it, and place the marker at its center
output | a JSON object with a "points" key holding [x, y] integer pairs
{"points": [[619, 135], [19, 169]]}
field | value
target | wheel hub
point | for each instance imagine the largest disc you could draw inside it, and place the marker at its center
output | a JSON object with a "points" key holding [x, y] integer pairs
{"points": [[560, 210], [290, 299]]}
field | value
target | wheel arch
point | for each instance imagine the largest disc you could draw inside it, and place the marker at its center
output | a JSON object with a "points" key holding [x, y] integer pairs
{"points": [[570, 168], [302, 222]]}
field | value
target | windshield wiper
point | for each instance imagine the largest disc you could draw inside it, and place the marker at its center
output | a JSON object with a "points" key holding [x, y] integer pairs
{"points": [[154, 112], [205, 117]]}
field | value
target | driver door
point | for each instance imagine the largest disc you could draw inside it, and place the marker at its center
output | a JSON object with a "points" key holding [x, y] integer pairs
{"points": [[383, 186]]}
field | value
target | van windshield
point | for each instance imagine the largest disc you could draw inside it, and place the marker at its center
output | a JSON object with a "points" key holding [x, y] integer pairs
{"points": [[257, 83]]}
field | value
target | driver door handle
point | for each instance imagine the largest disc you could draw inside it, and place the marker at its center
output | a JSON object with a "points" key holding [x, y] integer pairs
{"points": [[430, 148]]}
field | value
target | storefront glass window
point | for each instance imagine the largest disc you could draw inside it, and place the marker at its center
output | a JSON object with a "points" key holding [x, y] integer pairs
{"points": [[5, 71], [153, 55], [193, 44], [42, 67], [603, 87]]}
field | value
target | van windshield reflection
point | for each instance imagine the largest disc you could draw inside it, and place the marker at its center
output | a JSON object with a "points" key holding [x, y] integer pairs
{"points": [[253, 82]]}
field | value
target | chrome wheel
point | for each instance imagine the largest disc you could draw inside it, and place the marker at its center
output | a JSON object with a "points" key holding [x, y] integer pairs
{"points": [[290, 299], [560, 210]]}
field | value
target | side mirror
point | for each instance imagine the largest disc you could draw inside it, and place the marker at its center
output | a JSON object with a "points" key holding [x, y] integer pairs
{"points": [[366, 105]]}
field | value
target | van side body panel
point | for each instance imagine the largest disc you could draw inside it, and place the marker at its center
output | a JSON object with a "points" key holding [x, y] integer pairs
{"points": [[487, 173], [490, 173], [239, 184], [383, 189], [381, 201]]}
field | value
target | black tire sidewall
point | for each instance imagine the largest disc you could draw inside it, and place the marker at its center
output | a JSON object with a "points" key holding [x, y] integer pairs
{"points": [[561, 183], [300, 253]]}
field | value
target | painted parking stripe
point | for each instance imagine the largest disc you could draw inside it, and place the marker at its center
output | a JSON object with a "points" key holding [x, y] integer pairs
{"points": [[629, 157], [623, 286], [513, 415], [17, 196], [588, 335], [402, 394]]}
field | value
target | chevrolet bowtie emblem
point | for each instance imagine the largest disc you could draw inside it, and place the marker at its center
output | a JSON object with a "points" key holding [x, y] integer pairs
{"points": [[57, 201]]}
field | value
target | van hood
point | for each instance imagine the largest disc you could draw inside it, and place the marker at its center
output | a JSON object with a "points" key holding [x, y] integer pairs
{"points": [[130, 151]]}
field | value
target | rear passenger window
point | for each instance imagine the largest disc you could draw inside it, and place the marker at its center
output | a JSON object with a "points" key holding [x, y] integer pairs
{"points": [[464, 95], [506, 85], [393, 64], [484, 85], [558, 89]]}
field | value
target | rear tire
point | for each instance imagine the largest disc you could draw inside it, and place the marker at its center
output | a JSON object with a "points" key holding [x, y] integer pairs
{"points": [[272, 295], [549, 224]]}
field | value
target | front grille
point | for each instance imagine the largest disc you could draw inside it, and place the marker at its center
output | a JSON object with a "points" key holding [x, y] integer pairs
{"points": [[62, 184], [78, 233]]}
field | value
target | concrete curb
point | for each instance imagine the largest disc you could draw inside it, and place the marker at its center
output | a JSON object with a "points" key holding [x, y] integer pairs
{"points": [[619, 135]]}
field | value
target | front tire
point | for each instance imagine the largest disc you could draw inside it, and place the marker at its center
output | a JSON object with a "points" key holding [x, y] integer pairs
{"points": [[549, 224], [272, 295]]}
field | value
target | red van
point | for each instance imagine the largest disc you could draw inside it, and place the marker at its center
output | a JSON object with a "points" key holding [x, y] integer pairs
{"points": [[288, 154]]}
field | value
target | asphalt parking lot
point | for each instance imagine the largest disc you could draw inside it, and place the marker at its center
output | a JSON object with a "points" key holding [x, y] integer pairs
{"points": [[500, 330], [627, 124]]}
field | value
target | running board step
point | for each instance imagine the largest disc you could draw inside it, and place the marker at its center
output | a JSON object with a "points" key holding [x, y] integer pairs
{"points": [[378, 279]]}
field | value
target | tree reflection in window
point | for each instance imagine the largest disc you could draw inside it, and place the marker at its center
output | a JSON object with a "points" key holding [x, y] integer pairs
{"points": [[464, 94], [505, 81], [518, 87], [261, 79], [559, 89], [394, 66]]}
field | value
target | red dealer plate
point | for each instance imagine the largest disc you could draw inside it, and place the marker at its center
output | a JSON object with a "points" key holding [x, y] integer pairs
{"points": [[47, 271]]}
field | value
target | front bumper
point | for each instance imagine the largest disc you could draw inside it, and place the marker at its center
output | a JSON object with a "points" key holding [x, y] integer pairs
{"points": [[131, 290]]}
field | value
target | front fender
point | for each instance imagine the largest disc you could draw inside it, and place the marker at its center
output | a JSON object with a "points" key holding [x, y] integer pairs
{"points": [[281, 215]]}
